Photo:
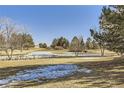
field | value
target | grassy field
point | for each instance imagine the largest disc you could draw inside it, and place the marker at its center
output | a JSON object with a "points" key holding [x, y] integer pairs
{"points": [[106, 74], [107, 71], [97, 51], [49, 61], [18, 52]]}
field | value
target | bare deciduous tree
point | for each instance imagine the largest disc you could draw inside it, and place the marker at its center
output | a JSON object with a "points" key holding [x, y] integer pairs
{"points": [[8, 36]]}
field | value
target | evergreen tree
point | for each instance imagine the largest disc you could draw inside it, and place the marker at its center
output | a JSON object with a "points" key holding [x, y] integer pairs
{"points": [[28, 41], [82, 44], [54, 43], [95, 44], [60, 42], [111, 22], [89, 44], [75, 46], [42, 45], [100, 38]]}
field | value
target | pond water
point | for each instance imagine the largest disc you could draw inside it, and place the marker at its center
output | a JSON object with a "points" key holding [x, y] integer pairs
{"points": [[42, 54], [46, 53], [47, 72]]}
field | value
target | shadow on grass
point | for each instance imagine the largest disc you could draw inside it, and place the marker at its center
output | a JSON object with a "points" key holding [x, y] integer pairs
{"points": [[105, 74]]}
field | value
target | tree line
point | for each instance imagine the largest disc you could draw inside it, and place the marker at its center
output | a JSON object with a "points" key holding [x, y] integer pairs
{"points": [[13, 37], [109, 35], [111, 31], [77, 44]]}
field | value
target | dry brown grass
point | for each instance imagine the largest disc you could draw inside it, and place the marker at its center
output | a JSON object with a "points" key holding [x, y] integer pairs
{"points": [[48, 61], [17, 52], [107, 72], [98, 51]]}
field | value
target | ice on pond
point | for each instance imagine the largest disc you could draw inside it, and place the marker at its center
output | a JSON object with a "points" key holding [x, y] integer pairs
{"points": [[47, 72], [4, 81], [41, 53], [84, 70], [58, 71]]}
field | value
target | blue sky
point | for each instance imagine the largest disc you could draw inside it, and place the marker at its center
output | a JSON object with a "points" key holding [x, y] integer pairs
{"points": [[48, 22]]}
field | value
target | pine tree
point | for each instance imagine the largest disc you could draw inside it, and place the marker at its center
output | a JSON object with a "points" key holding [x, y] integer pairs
{"points": [[75, 46], [89, 44], [112, 23], [82, 45]]}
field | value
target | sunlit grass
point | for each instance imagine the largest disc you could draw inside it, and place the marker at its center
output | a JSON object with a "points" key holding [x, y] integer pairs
{"points": [[18, 52], [107, 71], [106, 74], [47, 61]]}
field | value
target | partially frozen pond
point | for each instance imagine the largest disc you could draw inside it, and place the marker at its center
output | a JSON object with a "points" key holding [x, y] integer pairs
{"points": [[47, 54], [42, 53], [46, 72], [50, 54]]}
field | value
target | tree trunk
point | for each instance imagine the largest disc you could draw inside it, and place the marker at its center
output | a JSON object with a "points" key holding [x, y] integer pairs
{"points": [[9, 55], [102, 50], [76, 53], [21, 49]]}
